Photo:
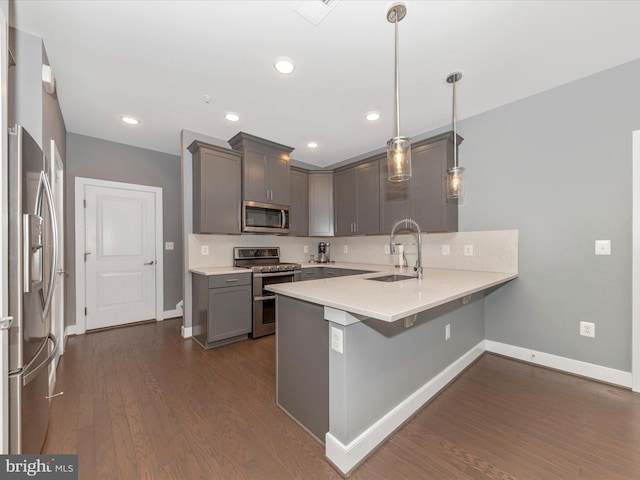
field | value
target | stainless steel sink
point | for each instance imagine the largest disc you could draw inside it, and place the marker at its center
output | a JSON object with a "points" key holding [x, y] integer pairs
{"points": [[391, 278]]}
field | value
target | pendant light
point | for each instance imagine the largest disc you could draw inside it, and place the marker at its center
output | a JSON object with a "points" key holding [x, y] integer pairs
{"points": [[455, 185], [398, 148]]}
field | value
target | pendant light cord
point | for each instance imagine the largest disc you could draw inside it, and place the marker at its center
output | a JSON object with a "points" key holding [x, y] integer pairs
{"points": [[455, 131], [397, 81]]}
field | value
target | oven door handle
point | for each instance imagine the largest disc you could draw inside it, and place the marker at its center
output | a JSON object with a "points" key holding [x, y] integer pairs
{"points": [[274, 274], [262, 298]]}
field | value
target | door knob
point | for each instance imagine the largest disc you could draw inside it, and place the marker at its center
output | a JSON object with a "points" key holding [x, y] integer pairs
{"points": [[149, 262]]}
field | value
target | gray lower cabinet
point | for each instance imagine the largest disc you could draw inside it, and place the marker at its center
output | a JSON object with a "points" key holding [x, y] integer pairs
{"points": [[299, 209], [331, 272], [357, 199], [222, 308], [424, 196], [312, 273], [347, 271], [216, 188]]}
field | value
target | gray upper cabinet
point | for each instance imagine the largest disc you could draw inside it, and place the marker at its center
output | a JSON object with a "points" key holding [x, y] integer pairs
{"points": [[299, 210], [424, 196], [216, 189], [265, 169], [320, 204], [357, 197]]}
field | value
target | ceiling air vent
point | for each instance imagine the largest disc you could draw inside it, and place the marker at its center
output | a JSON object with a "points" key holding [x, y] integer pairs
{"points": [[315, 10]]}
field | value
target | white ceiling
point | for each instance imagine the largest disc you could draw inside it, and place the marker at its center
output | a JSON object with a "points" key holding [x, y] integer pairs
{"points": [[155, 60]]}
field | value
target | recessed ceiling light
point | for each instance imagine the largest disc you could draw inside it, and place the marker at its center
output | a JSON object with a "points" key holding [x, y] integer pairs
{"points": [[232, 117], [373, 116], [284, 65], [130, 120], [312, 144]]}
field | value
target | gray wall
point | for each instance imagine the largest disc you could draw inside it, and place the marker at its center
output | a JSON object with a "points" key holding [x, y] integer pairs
{"points": [[557, 166], [100, 159]]}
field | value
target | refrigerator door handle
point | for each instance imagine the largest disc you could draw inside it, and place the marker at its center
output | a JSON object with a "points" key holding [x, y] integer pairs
{"points": [[44, 185], [27, 377]]}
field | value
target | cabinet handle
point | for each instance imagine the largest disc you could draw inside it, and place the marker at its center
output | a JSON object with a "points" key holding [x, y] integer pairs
{"points": [[231, 280], [355, 227]]}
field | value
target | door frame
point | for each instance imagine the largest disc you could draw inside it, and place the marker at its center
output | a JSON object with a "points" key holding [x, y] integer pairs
{"points": [[80, 184], [635, 264]]}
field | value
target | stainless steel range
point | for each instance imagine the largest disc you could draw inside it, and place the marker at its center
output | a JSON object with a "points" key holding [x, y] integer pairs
{"points": [[267, 269]]}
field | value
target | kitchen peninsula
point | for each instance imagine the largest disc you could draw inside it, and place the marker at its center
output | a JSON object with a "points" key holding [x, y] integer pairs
{"points": [[356, 357]]}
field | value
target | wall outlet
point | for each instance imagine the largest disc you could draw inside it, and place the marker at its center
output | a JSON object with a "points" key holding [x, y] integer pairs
{"points": [[305, 249], [603, 247], [387, 249], [446, 250], [447, 331], [337, 340], [468, 250], [168, 245], [204, 249], [588, 329], [345, 249]]}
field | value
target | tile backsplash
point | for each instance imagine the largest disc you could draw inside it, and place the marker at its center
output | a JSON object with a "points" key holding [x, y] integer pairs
{"points": [[493, 251]]}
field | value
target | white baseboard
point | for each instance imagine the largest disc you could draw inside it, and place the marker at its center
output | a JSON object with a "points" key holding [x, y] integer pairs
{"points": [[71, 330], [186, 332], [346, 457], [172, 313], [576, 367]]}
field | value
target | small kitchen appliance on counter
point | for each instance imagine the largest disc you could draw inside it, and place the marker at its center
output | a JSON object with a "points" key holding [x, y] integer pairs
{"points": [[323, 252], [267, 269]]}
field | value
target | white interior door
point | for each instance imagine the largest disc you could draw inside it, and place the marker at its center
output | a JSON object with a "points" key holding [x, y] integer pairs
{"points": [[120, 256]]}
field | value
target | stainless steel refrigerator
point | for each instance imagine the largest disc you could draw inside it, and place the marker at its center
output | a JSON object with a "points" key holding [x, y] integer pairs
{"points": [[32, 275]]}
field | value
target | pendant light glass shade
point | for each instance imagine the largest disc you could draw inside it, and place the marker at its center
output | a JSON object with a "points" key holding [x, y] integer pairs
{"points": [[455, 183], [399, 159], [398, 148]]}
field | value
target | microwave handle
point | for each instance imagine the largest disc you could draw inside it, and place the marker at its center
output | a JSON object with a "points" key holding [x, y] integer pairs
{"points": [[283, 218]]}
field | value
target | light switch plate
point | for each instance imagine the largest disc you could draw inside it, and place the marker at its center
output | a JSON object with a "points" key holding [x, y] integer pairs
{"points": [[446, 250], [168, 245], [603, 247], [468, 250], [204, 249], [387, 249], [345, 249]]}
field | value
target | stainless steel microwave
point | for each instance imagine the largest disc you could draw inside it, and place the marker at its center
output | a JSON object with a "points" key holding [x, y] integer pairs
{"points": [[265, 218]]}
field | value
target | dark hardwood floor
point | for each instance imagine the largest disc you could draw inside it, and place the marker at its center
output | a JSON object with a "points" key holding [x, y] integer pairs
{"points": [[140, 402]]}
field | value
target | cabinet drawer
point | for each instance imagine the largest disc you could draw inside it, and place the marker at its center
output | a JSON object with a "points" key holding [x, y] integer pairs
{"points": [[229, 280], [331, 272]]}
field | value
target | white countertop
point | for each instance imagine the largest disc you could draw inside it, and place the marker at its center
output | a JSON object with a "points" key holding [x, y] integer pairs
{"points": [[390, 301], [218, 270]]}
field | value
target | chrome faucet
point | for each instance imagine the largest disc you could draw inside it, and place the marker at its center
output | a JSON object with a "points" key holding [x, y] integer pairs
{"points": [[392, 246]]}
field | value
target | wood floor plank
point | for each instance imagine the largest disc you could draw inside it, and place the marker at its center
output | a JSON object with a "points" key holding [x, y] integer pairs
{"points": [[141, 402]]}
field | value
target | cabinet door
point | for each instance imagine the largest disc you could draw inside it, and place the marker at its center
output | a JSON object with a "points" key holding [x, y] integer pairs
{"points": [[395, 200], [321, 204], [216, 192], [344, 184], [429, 205], [254, 175], [368, 198], [299, 209], [230, 311], [278, 167]]}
